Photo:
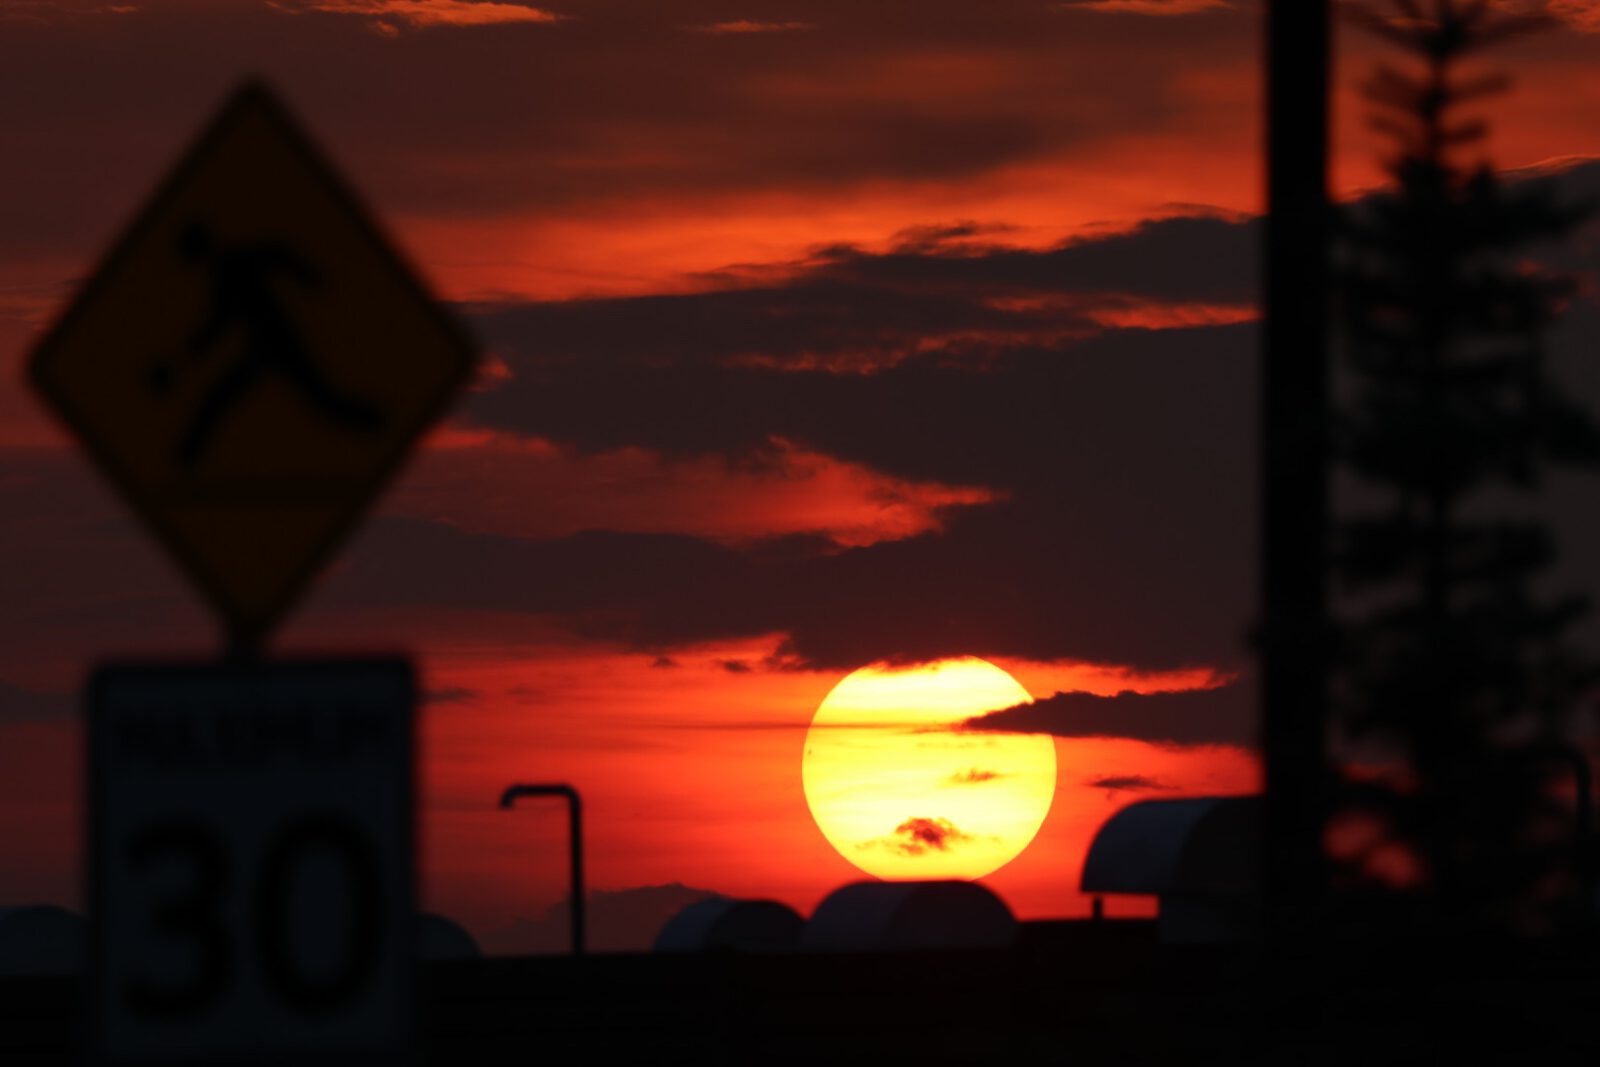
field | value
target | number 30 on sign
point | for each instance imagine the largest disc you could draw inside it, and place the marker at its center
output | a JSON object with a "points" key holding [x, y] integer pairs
{"points": [[251, 861]]}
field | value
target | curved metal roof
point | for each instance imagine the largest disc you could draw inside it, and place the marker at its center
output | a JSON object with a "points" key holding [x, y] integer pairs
{"points": [[440, 937], [1201, 845], [723, 923], [878, 916]]}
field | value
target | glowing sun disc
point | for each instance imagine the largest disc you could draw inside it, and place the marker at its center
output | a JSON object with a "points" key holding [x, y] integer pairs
{"points": [[902, 793]]}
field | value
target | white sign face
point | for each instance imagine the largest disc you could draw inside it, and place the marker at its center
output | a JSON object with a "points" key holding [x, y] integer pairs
{"points": [[251, 861]]}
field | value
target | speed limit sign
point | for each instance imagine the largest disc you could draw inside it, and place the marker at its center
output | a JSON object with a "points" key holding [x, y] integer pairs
{"points": [[251, 861]]}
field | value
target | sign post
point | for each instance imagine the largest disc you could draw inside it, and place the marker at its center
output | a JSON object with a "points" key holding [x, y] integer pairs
{"points": [[249, 366]]}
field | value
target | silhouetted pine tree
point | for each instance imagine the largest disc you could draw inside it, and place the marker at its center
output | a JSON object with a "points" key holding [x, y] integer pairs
{"points": [[1447, 413]]}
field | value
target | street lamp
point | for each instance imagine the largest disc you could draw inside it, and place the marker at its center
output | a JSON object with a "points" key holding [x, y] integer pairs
{"points": [[508, 799]]}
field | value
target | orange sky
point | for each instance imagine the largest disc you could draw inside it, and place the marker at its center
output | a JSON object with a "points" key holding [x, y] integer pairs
{"points": [[734, 192]]}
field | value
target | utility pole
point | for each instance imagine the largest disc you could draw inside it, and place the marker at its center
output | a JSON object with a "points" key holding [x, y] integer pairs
{"points": [[1294, 459]]}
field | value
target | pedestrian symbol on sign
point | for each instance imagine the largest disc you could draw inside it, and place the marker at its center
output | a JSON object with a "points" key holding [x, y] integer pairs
{"points": [[244, 298]]}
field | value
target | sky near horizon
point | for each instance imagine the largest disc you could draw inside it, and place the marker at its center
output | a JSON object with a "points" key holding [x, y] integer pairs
{"points": [[818, 334]]}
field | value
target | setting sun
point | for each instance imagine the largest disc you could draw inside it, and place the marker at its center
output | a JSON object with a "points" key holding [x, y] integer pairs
{"points": [[902, 792]]}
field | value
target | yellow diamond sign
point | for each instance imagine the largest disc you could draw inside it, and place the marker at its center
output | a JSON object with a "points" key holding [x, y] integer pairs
{"points": [[251, 362]]}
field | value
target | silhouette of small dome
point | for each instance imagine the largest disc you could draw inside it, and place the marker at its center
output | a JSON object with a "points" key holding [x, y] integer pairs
{"points": [[722, 923], [1200, 857], [439, 938], [879, 916], [1199, 845], [40, 939]]}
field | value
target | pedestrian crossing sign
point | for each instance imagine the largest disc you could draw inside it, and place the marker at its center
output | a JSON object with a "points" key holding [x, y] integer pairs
{"points": [[251, 362]]}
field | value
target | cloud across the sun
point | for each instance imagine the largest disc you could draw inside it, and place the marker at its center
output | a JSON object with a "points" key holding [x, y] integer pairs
{"points": [[921, 835], [1121, 783]]}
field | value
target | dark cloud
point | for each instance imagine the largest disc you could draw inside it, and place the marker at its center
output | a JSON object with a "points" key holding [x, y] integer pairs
{"points": [[1127, 462], [974, 776], [82, 577], [837, 323], [936, 237], [998, 582], [735, 666], [1126, 459], [918, 836], [1188, 258], [1117, 783], [387, 16], [1102, 443], [1103, 446], [47, 12], [742, 26], [618, 920], [852, 310], [1144, 7], [616, 100], [1221, 716]]}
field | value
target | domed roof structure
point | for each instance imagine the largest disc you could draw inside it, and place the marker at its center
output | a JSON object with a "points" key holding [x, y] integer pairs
{"points": [[724, 923], [883, 916]]}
